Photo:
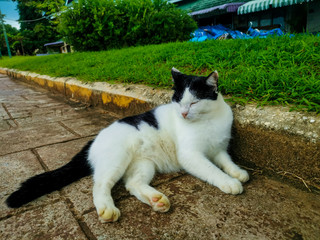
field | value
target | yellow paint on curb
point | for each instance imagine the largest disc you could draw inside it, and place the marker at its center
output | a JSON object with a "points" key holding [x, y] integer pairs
{"points": [[59, 86], [50, 84], [29, 78], [19, 75], [106, 98], [122, 101], [119, 100], [79, 91], [40, 81]]}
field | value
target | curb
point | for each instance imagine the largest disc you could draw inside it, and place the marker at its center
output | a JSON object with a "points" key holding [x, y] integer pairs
{"points": [[121, 99], [269, 138]]}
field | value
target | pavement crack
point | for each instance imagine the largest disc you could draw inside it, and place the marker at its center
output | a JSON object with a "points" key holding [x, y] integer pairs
{"points": [[78, 217], [24, 97], [86, 230], [10, 125], [9, 114], [92, 209], [43, 165], [51, 144], [69, 129]]}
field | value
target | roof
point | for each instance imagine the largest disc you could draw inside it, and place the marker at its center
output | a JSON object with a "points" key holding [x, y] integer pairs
{"points": [[198, 5], [54, 43], [228, 7], [260, 5]]}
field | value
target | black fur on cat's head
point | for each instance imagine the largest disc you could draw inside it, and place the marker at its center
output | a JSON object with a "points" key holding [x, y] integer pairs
{"points": [[200, 87]]}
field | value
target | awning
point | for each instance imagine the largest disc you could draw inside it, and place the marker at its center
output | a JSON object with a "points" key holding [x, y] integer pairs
{"points": [[54, 43], [260, 5], [229, 7], [283, 3]]}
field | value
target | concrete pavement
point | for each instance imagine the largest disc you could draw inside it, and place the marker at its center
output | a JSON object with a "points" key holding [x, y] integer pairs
{"points": [[40, 131]]}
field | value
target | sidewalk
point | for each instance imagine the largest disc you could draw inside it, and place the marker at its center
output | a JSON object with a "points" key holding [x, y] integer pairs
{"points": [[41, 131]]}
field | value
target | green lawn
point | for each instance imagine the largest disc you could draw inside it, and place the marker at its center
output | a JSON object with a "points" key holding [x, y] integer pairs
{"points": [[276, 70]]}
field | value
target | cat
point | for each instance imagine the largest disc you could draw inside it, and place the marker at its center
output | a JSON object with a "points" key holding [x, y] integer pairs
{"points": [[191, 133]]}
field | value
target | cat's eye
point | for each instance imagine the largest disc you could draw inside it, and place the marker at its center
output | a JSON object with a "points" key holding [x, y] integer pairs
{"points": [[194, 103]]}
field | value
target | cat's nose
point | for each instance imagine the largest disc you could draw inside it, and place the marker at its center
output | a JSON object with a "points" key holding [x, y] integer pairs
{"points": [[184, 114]]}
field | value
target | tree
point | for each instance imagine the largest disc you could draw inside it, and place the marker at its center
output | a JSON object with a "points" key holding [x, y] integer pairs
{"points": [[18, 44], [38, 24]]}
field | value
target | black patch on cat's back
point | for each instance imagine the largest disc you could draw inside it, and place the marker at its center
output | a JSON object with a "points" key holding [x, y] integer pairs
{"points": [[147, 117]]}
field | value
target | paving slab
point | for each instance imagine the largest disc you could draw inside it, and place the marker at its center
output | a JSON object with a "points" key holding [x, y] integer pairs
{"points": [[15, 168], [5, 125], [57, 155], [88, 126], [58, 128], [54, 221], [3, 113], [25, 138]]}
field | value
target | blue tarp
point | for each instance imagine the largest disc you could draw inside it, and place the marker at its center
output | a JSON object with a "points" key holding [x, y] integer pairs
{"points": [[221, 32], [264, 33]]}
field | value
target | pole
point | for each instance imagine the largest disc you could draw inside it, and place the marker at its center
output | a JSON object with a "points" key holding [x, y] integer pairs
{"points": [[5, 35]]}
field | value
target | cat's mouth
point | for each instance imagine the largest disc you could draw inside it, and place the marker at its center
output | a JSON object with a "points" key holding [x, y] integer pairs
{"points": [[190, 118]]}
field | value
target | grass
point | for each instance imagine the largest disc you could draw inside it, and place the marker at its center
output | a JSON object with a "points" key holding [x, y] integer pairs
{"points": [[276, 70]]}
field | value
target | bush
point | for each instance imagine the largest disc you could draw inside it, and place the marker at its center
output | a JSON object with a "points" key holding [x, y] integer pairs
{"points": [[92, 25]]}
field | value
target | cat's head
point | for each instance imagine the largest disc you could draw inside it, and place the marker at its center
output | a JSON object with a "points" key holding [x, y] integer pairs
{"points": [[195, 96]]}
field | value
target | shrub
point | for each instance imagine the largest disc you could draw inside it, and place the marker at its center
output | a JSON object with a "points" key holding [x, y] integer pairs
{"points": [[92, 25]]}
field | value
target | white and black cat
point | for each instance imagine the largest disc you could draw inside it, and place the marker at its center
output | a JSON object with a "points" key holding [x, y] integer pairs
{"points": [[190, 133]]}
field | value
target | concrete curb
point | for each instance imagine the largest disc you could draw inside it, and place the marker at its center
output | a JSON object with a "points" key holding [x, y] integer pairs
{"points": [[270, 138]]}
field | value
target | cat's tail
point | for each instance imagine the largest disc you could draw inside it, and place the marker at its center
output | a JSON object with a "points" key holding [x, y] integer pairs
{"points": [[48, 182]]}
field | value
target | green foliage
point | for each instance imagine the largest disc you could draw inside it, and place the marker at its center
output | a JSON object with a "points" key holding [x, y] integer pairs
{"points": [[34, 34], [104, 24], [276, 70], [12, 32], [13, 39]]}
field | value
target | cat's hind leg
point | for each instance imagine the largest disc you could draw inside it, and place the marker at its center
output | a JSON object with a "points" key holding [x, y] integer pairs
{"points": [[105, 177], [137, 180], [223, 161]]}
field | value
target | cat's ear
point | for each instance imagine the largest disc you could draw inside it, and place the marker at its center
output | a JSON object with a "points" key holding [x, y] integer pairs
{"points": [[212, 80], [175, 70], [175, 73]]}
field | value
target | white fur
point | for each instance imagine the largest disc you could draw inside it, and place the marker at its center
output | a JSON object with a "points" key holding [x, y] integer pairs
{"points": [[192, 142]]}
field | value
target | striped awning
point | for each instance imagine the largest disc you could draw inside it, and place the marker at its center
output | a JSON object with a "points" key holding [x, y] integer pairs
{"points": [[54, 43], [229, 7], [260, 5]]}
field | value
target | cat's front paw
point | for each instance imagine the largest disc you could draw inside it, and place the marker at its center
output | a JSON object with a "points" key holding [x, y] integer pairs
{"points": [[231, 186], [240, 174], [159, 203], [110, 214]]}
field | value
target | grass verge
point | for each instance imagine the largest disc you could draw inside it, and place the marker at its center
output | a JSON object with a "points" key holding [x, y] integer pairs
{"points": [[276, 70]]}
